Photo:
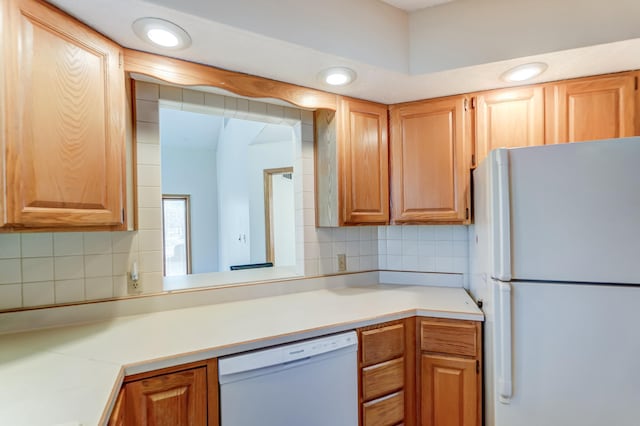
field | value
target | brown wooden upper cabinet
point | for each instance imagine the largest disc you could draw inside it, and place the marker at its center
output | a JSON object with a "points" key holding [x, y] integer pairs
{"points": [[62, 106], [508, 118], [430, 161], [592, 108], [352, 177]]}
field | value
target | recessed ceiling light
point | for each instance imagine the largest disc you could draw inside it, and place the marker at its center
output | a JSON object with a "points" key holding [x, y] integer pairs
{"points": [[337, 76], [524, 72], [162, 33]]}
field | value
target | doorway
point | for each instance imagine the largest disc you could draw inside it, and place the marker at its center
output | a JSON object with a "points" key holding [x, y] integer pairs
{"points": [[279, 212]]}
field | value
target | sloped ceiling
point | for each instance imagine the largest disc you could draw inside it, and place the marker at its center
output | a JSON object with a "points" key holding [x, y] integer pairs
{"points": [[453, 47]]}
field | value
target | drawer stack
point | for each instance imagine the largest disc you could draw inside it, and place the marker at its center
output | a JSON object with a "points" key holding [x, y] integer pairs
{"points": [[383, 363]]}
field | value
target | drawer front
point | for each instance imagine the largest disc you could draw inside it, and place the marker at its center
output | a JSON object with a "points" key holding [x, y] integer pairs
{"points": [[386, 411], [382, 344], [382, 379], [450, 337]]}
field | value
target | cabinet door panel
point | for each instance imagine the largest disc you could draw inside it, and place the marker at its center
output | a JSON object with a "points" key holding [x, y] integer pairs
{"points": [[65, 147], [429, 174], [176, 399], [509, 118], [595, 108], [365, 162], [449, 391]]}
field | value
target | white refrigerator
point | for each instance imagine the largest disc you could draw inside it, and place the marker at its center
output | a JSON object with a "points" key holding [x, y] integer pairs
{"points": [[555, 260]]}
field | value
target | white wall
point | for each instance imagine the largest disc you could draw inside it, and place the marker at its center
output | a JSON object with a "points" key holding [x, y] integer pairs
{"points": [[264, 156], [283, 221], [234, 237], [369, 31], [192, 171], [457, 34]]}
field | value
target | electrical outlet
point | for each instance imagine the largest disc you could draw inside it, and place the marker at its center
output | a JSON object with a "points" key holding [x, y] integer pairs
{"points": [[342, 262]]}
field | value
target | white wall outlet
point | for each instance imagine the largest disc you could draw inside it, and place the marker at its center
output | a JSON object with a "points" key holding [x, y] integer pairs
{"points": [[342, 263]]}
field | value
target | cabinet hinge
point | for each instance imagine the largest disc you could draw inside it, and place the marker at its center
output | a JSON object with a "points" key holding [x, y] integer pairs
{"points": [[473, 159], [122, 215], [473, 103], [466, 104], [477, 366], [636, 79], [467, 213]]}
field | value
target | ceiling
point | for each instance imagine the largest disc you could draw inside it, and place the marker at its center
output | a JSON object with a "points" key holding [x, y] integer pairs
{"points": [[401, 52]]}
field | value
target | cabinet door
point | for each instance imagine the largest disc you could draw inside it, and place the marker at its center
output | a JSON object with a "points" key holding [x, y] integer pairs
{"points": [[430, 161], [590, 109], [449, 388], [509, 118], [175, 399], [64, 106], [365, 162]]}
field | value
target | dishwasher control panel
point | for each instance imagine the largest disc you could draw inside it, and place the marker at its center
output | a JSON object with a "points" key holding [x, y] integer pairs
{"points": [[285, 354]]}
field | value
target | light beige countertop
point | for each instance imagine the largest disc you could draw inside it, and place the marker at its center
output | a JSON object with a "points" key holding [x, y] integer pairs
{"points": [[70, 375]]}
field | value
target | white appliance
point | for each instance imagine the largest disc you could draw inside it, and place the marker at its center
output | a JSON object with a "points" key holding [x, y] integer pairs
{"points": [[310, 383], [555, 258]]}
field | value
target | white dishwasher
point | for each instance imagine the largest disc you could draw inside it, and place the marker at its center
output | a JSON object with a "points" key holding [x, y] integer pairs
{"points": [[309, 383]]}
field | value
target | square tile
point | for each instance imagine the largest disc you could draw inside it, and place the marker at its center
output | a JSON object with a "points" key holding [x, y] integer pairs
{"points": [[121, 264], [444, 248], [10, 271], [353, 263], [367, 248], [37, 244], [149, 196], [394, 232], [460, 233], [10, 296], [36, 269], [150, 240], [149, 218], [409, 232], [68, 244], [409, 247], [394, 247], [353, 233], [410, 263], [98, 288], [147, 91], [147, 133], [353, 248], [151, 261], [97, 243], [120, 286], [98, 265], [444, 233], [68, 267], [394, 262], [426, 233], [124, 242], [10, 246], [67, 291], [38, 293]]}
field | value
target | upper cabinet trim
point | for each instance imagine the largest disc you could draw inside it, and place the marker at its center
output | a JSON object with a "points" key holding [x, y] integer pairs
{"points": [[185, 73]]}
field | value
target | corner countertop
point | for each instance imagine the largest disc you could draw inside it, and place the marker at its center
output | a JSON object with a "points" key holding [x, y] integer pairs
{"points": [[70, 375]]}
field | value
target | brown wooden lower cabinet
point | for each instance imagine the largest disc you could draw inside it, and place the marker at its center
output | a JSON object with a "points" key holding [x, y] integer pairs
{"points": [[450, 372], [449, 391], [178, 396], [416, 371]]}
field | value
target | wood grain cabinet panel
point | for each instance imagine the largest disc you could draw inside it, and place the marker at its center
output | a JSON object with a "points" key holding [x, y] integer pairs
{"points": [[382, 379], [386, 411], [591, 108], [449, 391], [382, 344], [459, 338], [352, 164], [508, 118], [430, 161], [64, 105], [176, 399]]}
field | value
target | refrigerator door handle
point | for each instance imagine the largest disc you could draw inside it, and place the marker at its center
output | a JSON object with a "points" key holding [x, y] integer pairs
{"points": [[502, 216], [505, 385]]}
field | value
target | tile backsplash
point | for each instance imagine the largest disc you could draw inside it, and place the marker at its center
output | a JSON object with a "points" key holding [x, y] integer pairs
{"points": [[56, 268], [53, 268]]}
